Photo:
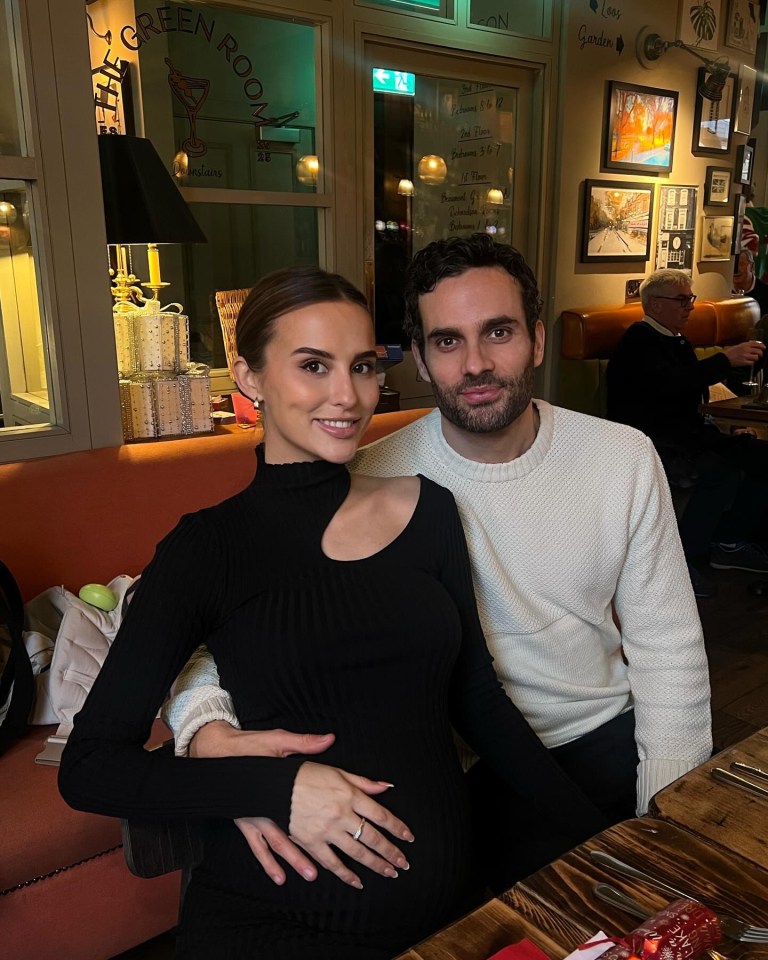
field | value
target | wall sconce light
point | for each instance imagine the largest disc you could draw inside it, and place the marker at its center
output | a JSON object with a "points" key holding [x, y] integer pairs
{"points": [[432, 169], [307, 169], [8, 213], [181, 165], [495, 196], [405, 188], [650, 48]]}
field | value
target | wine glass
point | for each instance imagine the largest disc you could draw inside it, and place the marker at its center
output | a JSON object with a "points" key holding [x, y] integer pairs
{"points": [[754, 382]]}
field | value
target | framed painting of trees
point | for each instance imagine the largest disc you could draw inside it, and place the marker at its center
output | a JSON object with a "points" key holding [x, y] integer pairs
{"points": [[639, 128]]}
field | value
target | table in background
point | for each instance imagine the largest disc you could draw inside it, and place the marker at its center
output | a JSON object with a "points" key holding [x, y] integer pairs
{"points": [[731, 413]]}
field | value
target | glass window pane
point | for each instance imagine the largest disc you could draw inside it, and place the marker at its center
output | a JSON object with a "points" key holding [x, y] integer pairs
{"points": [[12, 140], [233, 91], [527, 18], [24, 372], [444, 163], [244, 243]]}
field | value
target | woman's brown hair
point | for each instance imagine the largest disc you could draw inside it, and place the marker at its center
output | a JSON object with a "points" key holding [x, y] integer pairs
{"points": [[279, 293]]}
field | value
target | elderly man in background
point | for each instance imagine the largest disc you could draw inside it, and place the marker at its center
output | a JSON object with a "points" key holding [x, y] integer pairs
{"points": [[656, 383]]}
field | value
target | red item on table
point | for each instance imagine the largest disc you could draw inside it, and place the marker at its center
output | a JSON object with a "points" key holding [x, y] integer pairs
{"points": [[686, 928], [522, 950]]}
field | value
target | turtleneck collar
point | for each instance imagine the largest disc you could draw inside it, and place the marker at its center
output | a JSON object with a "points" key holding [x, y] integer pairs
{"points": [[297, 476]]}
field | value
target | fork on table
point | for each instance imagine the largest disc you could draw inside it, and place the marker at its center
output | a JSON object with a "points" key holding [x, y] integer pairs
{"points": [[732, 928]]}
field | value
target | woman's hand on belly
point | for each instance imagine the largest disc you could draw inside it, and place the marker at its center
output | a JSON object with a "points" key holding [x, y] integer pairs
{"points": [[265, 838], [333, 808]]}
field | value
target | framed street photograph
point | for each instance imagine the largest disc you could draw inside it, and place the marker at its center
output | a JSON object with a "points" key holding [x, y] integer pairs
{"points": [[639, 130], [742, 25], [700, 23], [716, 238], [717, 187], [745, 99], [712, 120], [616, 221], [744, 157]]}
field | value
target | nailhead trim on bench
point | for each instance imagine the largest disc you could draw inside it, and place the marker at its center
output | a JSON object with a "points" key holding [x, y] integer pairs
{"points": [[47, 876]]}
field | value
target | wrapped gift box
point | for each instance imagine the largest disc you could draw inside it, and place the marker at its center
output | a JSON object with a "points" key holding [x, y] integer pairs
{"points": [[151, 342], [164, 405]]}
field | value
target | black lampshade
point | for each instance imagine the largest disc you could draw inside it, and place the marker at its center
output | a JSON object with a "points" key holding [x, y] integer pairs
{"points": [[142, 204]]}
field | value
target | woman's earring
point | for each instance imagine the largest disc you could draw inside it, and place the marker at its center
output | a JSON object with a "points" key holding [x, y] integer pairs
{"points": [[257, 404]]}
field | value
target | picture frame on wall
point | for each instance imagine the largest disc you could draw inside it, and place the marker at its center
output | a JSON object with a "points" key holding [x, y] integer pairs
{"points": [[639, 131], [675, 241], [745, 100], [717, 187], [712, 120], [742, 25], [617, 219], [716, 238], [744, 157], [699, 24], [739, 209]]}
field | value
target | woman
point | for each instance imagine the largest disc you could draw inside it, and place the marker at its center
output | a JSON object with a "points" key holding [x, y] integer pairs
{"points": [[330, 602]]}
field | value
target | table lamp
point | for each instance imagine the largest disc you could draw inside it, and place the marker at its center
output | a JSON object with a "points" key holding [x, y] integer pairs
{"points": [[142, 205]]}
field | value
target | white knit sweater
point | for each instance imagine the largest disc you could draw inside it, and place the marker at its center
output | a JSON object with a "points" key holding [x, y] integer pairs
{"points": [[582, 519]]}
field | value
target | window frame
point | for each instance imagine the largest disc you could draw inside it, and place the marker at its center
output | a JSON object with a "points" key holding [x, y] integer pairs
{"points": [[63, 165]]}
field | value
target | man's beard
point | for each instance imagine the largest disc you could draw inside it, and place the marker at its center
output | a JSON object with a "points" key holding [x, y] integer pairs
{"points": [[486, 418]]}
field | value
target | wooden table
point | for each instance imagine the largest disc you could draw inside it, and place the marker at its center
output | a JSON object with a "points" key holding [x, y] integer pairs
{"points": [[731, 413], [705, 838], [557, 910], [722, 814], [720, 879]]}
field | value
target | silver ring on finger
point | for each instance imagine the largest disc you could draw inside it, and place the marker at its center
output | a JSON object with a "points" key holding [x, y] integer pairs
{"points": [[359, 832]]}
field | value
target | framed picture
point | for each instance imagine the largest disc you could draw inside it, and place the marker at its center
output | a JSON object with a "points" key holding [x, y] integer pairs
{"points": [[745, 100], [744, 157], [675, 242], [716, 238], [739, 209], [717, 187], [700, 23], [616, 222], [743, 25], [712, 120], [639, 128]]}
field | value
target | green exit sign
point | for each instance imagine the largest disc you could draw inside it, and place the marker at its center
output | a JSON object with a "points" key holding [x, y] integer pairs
{"points": [[394, 81]]}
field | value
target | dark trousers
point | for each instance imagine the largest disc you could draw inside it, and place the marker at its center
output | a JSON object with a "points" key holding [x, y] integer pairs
{"points": [[729, 501], [514, 839]]}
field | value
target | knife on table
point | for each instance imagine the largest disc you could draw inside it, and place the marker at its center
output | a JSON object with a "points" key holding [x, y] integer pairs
{"points": [[754, 771], [725, 776]]}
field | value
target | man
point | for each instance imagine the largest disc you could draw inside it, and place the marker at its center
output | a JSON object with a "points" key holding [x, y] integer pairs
{"points": [[656, 384], [565, 515]]}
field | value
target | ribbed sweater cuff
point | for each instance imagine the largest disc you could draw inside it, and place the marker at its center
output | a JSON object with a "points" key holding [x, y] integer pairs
{"points": [[212, 703], [654, 775]]}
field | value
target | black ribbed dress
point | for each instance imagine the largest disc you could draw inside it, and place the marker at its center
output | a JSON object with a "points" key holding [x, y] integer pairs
{"points": [[386, 652]]}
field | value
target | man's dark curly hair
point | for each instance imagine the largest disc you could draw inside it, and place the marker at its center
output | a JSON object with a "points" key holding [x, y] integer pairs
{"points": [[456, 255]]}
